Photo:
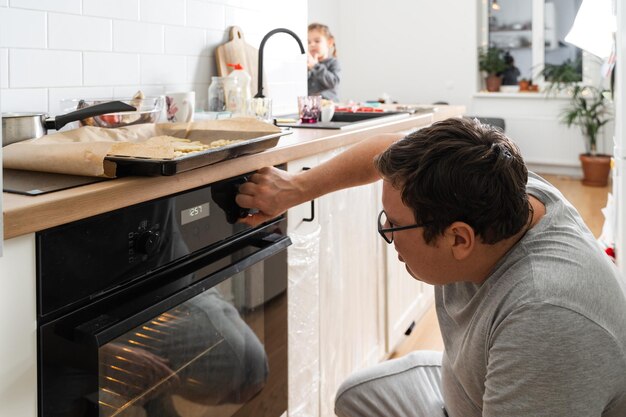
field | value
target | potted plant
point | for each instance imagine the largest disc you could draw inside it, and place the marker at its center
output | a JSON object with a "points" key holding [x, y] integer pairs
{"points": [[559, 77], [491, 61], [524, 84], [589, 109]]}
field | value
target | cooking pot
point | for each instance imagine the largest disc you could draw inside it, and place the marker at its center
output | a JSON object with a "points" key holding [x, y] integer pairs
{"points": [[21, 126]]}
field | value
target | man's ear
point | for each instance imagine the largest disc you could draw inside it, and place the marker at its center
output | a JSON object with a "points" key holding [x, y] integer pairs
{"points": [[462, 240]]}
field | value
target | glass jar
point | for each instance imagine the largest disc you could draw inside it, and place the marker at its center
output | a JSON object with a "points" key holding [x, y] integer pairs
{"points": [[217, 94]]}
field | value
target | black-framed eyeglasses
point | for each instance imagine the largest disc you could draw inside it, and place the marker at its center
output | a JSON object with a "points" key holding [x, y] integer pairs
{"points": [[387, 232]]}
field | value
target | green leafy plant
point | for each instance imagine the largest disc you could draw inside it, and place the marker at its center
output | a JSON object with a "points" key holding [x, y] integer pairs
{"points": [[561, 76], [588, 109], [491, 60]]}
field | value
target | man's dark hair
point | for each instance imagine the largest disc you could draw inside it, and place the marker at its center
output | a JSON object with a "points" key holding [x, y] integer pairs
{"points": [[460, 170]]}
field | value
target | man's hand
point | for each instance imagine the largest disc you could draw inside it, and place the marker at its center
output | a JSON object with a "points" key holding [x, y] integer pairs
{"points": [[271, 191]]}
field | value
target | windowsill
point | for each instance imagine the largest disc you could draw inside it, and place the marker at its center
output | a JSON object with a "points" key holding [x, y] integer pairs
{"points": [[521, 95]]}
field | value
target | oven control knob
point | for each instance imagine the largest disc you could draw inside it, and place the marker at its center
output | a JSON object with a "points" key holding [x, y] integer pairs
{"points": [[148, 242]]}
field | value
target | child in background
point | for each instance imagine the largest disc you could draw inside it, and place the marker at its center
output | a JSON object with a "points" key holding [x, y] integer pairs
{"points": [[323, 66]]}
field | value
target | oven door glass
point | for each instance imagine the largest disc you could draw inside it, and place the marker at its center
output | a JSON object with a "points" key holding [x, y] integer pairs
{"points": [[204, 357]]}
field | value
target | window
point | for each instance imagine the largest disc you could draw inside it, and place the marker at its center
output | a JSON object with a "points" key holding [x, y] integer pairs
{"points": [[532, 32]]}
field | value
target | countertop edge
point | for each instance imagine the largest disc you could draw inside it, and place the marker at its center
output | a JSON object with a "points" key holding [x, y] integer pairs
{"points": [[27, 214]]}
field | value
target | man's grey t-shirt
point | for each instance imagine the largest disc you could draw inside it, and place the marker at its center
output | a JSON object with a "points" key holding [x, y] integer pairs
{"points": [[545, 334]]}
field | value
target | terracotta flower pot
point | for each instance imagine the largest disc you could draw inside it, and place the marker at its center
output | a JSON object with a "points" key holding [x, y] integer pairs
{"points": [[596, 169], [493, 82], [523, 85]]}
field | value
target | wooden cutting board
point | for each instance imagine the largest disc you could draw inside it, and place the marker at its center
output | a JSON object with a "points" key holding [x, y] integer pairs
{"points": [[237, 51]]}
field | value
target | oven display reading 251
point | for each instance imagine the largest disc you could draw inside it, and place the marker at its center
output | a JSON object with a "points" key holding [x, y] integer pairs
{"points": [[194, 213]]}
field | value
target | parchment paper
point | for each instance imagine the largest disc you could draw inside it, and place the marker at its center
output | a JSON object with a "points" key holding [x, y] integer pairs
{"points": [[82, 151]]}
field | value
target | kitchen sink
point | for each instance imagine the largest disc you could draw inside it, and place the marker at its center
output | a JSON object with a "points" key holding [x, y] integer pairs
{"points": [[345, 120]]}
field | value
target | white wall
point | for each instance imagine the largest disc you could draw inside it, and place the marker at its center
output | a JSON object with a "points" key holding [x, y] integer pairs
{"points": [[56, 49], [417, 52]]}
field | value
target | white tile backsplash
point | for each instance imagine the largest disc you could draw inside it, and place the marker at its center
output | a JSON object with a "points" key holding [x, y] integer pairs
{"points": [[185, 41], [24, 100], [205, 15], [56, 49], [171, 12], [138, 37], [4, 68], [102, 68], [117, 9], [160, 69], [86, 33], [44, 68], [66, 6], [200, 69], [13, 23], [64, 100]]}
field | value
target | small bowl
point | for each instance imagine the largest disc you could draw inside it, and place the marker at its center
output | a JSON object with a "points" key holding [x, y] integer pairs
{"points": [[149, 110]]}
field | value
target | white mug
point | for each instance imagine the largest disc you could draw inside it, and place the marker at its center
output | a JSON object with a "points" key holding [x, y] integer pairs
{"points": [[180, 106]]}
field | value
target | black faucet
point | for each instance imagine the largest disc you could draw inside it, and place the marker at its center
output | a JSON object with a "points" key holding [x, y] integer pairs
{"points": [[259, 93]]}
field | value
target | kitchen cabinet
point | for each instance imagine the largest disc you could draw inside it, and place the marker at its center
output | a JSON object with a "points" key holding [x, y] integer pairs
{"points": [[18, 346], [350, 298], [351, 276], [407, 299]]}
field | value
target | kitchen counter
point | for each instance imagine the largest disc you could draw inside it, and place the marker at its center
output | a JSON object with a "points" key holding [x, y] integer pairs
{"points": [[28, 214]]}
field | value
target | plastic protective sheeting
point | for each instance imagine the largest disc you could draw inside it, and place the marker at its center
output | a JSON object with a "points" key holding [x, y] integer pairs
{"points": [[304, 329]]}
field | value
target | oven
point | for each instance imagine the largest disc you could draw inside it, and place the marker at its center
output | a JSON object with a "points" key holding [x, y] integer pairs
{"points": [[168, 308]]}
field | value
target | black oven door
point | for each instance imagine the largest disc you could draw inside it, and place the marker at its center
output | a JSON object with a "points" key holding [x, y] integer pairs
{"points": [[175, 346]]}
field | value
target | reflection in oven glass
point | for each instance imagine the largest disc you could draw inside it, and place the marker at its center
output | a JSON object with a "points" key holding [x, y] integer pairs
{"points": [[198, 356]]}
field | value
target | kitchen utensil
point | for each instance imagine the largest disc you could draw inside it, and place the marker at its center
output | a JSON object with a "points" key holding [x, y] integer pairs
{"points": [[22, 126], [144, 110], [237, 51]]}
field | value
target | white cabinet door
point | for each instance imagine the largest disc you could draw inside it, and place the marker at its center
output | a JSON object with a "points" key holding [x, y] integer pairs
{"points": [[352, 334], [407, 299], [18, 326]]}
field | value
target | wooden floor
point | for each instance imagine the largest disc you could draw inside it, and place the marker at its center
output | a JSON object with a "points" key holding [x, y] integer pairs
{"points": [[587, 200]]}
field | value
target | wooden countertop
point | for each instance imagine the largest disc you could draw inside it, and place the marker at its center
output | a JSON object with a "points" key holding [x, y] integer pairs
{"points": [[28, 214]]}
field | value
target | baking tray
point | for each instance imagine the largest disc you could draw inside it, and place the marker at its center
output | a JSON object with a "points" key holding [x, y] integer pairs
{"points": [[127, 165]]}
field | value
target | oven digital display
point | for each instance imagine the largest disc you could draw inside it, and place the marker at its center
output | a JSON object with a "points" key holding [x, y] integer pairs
{"points": [[194, 213]]}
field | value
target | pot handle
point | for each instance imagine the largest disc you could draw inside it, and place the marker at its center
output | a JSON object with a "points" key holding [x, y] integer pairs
{"points": [[96, 110]]}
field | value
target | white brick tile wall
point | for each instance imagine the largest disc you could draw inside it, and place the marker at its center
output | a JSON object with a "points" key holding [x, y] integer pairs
{"points": [[161, 69], [163, 11], [138, 37], [14, 32], [102, 68], [200, 69], [185, 41], [205, 15], [67, 6], [44, 68], [86, 33], [117, 9], [63, 100], [130, 91], [4, 68], [52, 50], [24, 100]]}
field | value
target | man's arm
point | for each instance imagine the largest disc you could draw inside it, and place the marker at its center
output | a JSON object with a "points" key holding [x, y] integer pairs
{"points": [[273, 191]]}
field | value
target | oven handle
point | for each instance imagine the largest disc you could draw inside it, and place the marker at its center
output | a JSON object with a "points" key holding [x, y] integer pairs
{"points": [[104, 328]]}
